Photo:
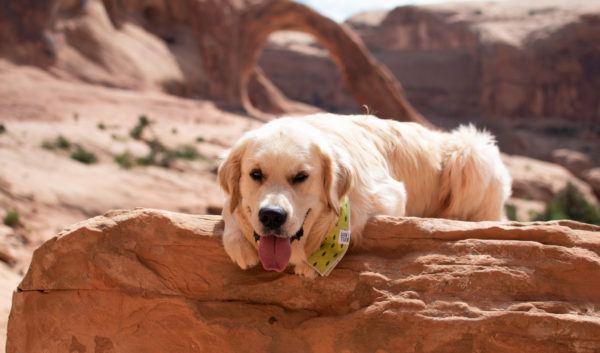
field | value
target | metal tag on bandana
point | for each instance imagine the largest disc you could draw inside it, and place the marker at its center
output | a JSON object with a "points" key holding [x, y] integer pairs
{"points": [[335, 244]]}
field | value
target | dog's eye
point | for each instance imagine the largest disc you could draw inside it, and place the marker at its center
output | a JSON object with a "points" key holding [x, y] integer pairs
{"points": [[256, 174], [299, 178]]}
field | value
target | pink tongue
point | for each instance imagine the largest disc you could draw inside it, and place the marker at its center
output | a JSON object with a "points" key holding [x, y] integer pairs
{"points": [[274, 253]]}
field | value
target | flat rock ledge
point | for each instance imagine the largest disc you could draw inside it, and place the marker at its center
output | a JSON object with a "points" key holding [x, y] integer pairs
{"points": [[154, 281]]}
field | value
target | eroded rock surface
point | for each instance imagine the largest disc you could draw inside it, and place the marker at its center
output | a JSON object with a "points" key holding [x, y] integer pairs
{"points": [[155, 281], [542, 181], [193, 48], [505, 58]]}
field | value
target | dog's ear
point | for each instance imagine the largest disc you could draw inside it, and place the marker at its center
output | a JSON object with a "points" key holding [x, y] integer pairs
{"points": [[230, 173], [337, 177]]}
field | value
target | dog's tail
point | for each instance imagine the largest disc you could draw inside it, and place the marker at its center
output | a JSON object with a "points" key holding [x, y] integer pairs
{"points": [[475, 182]]}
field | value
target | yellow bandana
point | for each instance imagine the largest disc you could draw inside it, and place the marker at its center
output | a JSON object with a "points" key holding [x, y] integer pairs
{"points": [[335, 244]]}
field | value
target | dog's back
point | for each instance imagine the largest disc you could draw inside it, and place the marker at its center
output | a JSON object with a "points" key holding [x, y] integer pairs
{"points": [[457, 174]]}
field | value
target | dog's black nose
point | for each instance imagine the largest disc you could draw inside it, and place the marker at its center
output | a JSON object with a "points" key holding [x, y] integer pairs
{"points": [[272, 216]]}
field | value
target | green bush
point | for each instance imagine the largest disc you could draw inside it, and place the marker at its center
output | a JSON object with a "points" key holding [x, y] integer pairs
{"points": [[186, 152], [83, 156], [11, 218], [60, 142], [145, 161], [125, 160], [159, 154], [569, 203], [78, 153], [138, 130], [511, 212]]}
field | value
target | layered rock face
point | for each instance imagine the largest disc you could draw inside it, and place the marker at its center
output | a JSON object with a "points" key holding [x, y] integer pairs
{"points": [[155, 281], [193, 48], [507, 58]]}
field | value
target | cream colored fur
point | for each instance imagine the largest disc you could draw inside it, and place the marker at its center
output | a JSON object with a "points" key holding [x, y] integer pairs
{"points": [[385, 167]]}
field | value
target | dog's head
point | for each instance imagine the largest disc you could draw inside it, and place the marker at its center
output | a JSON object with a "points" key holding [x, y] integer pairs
{"points": [[283, 176]]}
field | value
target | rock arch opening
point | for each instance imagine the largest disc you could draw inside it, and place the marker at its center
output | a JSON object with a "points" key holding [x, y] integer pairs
{"points": [[370, 83], [228, 37], [303, 71]]}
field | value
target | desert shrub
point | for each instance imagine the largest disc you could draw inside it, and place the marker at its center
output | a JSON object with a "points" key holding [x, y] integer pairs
{"points": [[101, 126], [119, 138], [2, 129], [200, 139], [186, 152], [138, 130], [511, 212], [77, 152], [166, 156], [144, 161], [159, 154], [125, 160], [60, 142], [11, 218], [84, 156], [162, 156], [569, 203]]}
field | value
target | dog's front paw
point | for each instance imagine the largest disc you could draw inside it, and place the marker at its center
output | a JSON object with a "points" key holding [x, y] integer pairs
{"points": [[303, 269], [240, 250]]}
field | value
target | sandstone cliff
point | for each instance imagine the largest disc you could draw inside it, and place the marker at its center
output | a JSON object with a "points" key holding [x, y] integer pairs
{"points": [[204, 48], [505, 58], [155, 281]]}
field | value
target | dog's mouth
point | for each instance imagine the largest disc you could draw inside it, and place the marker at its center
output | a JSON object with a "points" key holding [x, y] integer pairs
{"points": [[274, 250]]}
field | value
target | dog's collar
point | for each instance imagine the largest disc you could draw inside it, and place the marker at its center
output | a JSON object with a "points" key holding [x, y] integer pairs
{"points": [[335, 244]]}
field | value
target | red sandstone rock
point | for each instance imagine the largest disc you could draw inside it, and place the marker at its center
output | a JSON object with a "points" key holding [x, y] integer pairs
{"points": [[576, 162], [592, 176], [541, 181], [155, 281], [508, 58], [188, 47], [505, 58]]}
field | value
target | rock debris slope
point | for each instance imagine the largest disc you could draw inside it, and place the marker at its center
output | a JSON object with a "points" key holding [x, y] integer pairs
{"points": [[153, 281]]}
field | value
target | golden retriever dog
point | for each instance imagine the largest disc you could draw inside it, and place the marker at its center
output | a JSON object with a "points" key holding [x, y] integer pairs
{"points": [[284, 182]]}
